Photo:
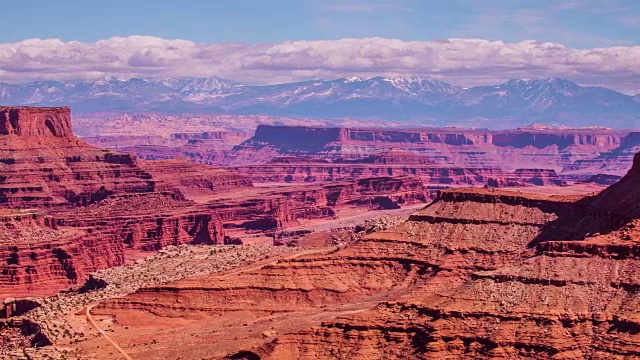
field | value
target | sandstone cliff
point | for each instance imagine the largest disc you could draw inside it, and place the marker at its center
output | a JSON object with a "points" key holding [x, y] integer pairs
{"points": [[479, 273]]}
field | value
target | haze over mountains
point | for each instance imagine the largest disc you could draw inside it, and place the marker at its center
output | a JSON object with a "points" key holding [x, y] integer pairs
{"points": [[410, 99]]}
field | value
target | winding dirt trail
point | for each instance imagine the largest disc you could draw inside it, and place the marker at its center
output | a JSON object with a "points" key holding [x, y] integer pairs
{"points": [[229, 273], [103, 333]]}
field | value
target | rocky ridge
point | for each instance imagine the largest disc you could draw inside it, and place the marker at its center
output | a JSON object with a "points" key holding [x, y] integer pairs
{"points": [[480, 273], [407, 98], [87, 209]]}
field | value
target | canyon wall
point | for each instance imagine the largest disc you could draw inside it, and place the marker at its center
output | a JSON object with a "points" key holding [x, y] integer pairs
{"points": [[561, 150], [299, 136], [478, 273], [27, 121]]}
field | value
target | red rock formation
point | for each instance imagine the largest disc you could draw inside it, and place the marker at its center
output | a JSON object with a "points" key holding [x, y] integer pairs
{"points": [[109, 203], [540, 177], [323, 172], [44, 254], [298, 138], [27, 121], [393, 163], [44, 164], [602, 179], [228, 137], [507, 150], [189, 178], [560, 138], [95, 204], [580, 152], [460, 232], [479, 273], [614, 162], [394, 156], [271, 209]]}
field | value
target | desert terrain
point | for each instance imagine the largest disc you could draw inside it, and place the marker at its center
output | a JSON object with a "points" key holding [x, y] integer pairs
{"points": [[316, 242]]}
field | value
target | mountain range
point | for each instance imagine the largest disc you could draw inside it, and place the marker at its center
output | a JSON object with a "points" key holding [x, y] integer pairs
{"points": [[409, 99]]}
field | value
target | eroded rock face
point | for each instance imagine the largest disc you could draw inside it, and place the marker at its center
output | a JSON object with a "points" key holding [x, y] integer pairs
{"points": [[29, 121], [88, 207], [550, 303], [42, 254], [479, 273], [436, 249], [43, 164], [69, 209], [307, 138], [613, 162], [298, 170], [507, 150], [275, 209]]}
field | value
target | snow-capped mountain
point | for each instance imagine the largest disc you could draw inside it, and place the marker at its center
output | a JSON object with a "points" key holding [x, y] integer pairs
{"points": [[212, 85], [548, 100], [547, 96]]}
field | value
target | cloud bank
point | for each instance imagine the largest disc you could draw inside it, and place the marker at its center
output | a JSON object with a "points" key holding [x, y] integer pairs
{"points": [[465, 62]]}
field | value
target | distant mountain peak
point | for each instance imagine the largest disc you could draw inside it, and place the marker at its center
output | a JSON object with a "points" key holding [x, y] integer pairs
{"points": [[353, 78], [416, 98], [554, 80]]}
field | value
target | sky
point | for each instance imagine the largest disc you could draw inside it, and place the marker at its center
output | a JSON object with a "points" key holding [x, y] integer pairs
{"points": [[465, 42]]}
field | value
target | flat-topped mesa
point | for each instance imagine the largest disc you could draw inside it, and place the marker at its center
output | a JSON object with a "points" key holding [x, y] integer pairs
{"points": [[35, 121], [296, 137], [507, 149], [43, 164], [319, 136], [312, 137]]}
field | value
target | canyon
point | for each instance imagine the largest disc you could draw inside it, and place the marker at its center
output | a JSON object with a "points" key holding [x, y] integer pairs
{"points": [[478, 273], [535, 155], [69, 209], [396, 243]]}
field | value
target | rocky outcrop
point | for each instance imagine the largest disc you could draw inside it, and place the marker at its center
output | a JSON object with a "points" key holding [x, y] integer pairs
{"points": [[560, 138], [549, 304], [191, 179], [579, 153], [461, 232], [539, 177], [43, 164], [602, 179], [328, 172], [394, 156], [90, 207], [614, 162], [41, 255], [480, 273], [298, 138], [270, 209], [28, 121], [507, 150], [226, 136], [393, 163]]}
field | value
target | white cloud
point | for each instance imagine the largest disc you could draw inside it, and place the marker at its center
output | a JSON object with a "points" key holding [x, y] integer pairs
{"points": [[463, 62]]}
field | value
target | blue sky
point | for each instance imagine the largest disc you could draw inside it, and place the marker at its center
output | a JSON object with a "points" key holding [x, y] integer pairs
{"points": [[577, 24], [464, 42]]}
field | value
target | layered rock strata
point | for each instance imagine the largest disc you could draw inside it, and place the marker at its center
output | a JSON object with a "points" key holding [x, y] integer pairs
{"points": [[43, 164], [479, 273], [507, 150]]}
